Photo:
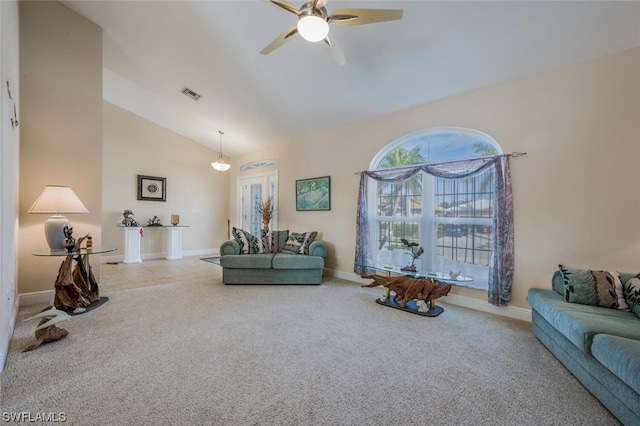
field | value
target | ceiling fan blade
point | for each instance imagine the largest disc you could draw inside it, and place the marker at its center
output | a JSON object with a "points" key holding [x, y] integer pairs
{"points": [[280, 40], [284, 4], [347, 17], [331, 46]]}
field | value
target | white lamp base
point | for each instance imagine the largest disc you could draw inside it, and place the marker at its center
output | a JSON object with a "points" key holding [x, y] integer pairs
{"points": [[54, 231]]}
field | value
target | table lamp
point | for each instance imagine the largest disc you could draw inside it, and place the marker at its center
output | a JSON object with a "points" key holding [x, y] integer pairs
{"points": [[57, 200]]}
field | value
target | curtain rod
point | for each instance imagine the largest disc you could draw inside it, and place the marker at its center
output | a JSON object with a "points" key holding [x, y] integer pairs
{"points": [[513, 154]]}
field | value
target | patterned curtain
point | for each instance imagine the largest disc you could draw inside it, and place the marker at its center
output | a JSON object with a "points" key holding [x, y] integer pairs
{"points": [[500, 277]]}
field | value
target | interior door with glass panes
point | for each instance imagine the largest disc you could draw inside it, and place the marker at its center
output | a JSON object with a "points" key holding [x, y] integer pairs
{"points": [[253, 191]]}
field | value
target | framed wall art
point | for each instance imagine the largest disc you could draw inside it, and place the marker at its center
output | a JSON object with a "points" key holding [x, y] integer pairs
{"points": [[152, 188], [313, 194]]}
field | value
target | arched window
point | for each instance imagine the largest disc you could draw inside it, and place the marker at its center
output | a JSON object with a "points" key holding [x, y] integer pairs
{"points": [[452, 220], [261, 164]]}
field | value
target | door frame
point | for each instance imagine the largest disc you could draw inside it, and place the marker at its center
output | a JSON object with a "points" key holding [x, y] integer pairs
{"points": [[272, 181]]}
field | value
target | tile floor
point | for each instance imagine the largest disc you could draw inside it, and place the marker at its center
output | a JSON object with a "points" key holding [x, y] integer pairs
{"points": [[123, 276]]}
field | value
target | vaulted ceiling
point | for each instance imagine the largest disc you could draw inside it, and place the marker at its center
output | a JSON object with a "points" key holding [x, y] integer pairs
{"points": [[152, 50]]}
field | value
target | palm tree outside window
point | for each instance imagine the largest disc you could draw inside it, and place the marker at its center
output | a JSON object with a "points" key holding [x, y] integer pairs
{"points": [[452, 219]]}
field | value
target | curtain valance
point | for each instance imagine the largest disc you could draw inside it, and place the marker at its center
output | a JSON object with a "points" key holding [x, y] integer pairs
{"points": [[448, 170]]}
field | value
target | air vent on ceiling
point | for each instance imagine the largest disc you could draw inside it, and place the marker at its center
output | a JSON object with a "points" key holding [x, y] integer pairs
{"points": [[190, 93]]}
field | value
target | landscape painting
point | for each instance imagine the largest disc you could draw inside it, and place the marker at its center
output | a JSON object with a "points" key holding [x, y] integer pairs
{"points": [[313, 194]]}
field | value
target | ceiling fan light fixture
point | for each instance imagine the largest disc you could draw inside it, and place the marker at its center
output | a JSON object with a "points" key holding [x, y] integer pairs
{"points": [[313, 28]]}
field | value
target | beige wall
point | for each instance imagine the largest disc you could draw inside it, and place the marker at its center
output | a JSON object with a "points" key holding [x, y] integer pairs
{"points": [[576, 193], [133, 146], [60, 127], [63, 124]]}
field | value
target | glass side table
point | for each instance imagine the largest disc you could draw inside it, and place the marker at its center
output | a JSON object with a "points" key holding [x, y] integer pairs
{"points": [[411, 306], [76, 293]]}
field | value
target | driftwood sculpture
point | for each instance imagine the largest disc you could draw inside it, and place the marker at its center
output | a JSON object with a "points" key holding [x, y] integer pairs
{"points": [[409, 288], [77, 289], [396, 284], [426, 289], [47, 331]]}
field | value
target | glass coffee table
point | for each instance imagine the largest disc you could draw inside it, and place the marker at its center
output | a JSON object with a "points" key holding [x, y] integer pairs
{"points": [[413, 306]]}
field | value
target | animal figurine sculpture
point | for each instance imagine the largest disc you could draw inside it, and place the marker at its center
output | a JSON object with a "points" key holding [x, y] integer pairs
{"points": [[69, 242], [454, 275], [128, 219], [46, 331], [414, 255], [154, 221]]}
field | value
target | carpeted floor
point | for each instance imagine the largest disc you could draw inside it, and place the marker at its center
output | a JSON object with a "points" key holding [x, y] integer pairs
{"points": [[193, 351], [215, 260]]}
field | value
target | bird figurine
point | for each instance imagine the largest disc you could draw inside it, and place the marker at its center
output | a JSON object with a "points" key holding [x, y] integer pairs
{"points": [[53, 316], [46, 331], [454, 275]]}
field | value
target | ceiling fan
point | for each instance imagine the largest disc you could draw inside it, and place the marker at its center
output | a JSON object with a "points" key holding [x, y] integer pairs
{"points": [[313, 24]]}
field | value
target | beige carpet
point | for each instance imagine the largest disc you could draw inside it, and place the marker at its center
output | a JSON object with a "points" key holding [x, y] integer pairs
{"points": [[193, 351]]}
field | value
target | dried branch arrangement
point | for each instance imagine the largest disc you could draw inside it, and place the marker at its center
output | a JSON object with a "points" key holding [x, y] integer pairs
{"points": [[266, 209]]}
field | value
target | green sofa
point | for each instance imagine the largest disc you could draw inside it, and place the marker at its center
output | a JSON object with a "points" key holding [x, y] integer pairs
{"points": [[599, 346], [272, 268]]}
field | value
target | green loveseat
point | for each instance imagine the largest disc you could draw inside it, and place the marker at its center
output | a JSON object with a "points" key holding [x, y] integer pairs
{"points": [[599, 346], [272, 268]]}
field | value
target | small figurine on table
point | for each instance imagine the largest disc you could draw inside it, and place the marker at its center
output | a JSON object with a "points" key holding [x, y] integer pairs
{"points": [[69, 242], [414, 255], [154, 221], [129, 219]]}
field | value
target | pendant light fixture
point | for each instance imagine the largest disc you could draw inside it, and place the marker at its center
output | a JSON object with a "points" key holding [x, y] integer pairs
{"points": [[220, 165]]}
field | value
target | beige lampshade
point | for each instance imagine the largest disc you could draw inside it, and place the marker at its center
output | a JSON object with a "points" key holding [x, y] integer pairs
{"points": [[56, 200]]}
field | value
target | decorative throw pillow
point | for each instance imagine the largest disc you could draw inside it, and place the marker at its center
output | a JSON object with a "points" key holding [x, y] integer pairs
{"points": [[298, 242], [260, 244], [277, 240], [243, 238], [597, 288], [632, 294], [250, 244]]}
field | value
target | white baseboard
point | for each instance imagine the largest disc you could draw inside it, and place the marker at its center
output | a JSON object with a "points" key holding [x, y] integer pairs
{"points": [[484, 306], [203, 252], [7, 335], [453, 299], [36, 297]]}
